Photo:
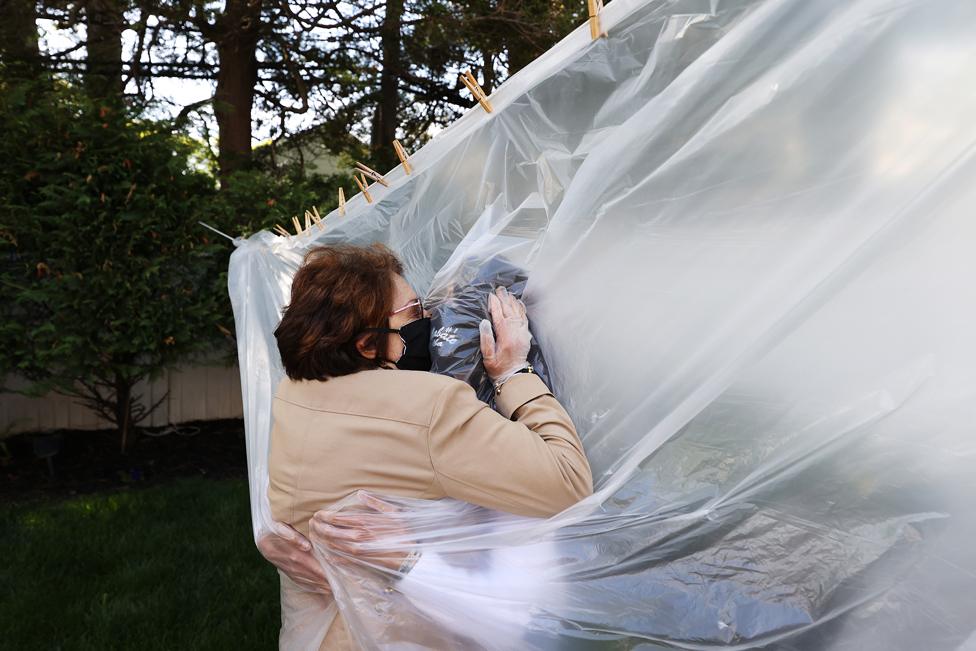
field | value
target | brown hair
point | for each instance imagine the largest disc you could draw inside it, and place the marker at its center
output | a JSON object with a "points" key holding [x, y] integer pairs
{"points": [[337, 293]]}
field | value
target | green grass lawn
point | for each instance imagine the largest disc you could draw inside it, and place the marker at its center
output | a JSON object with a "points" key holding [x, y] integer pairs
{"points": [[168, 567]]}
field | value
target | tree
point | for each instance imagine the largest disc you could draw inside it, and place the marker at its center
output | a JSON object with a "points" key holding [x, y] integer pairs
{"points": [[104, 21], [368, 70], [18, 38], [236, 35], [267, 51], [387, 112], [106, 279], [416, 52]]}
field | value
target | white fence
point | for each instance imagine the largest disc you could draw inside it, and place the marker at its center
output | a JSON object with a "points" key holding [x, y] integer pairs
{"points": [[195, 393]]}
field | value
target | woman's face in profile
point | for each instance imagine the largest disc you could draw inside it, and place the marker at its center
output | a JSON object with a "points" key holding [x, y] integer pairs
{"points": [[406, 308]]}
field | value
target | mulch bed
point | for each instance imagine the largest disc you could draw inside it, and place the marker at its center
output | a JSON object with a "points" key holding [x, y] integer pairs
{"points": [[91, 461]]}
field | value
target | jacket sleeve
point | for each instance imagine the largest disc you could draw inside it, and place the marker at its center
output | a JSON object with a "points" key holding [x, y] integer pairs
{"points": [[533, 465]]}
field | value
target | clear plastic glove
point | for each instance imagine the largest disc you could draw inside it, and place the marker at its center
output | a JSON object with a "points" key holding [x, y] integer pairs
{"points": [[291, 552], [507, 350]]}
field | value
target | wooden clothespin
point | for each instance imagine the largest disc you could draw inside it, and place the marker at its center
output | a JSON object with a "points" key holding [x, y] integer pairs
{"points": [[402, 155], [472, 85], [373, 174], [298, 226], [594, 7], [362, 188], [308, 220], [318, 218], [281, 231], [342, 202]]}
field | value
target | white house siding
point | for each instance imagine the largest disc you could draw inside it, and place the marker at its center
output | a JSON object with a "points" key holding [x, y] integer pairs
{"points": [[196, 393]]}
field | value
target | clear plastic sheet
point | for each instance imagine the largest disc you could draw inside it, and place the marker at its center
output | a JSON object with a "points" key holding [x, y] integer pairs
{"points": [[748, 232]]}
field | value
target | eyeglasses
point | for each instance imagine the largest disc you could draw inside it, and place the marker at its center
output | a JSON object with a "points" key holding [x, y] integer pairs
{"points": [[418, 303]]}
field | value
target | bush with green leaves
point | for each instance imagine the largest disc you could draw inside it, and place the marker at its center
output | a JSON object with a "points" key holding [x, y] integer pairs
{"points": [[257, 199], [106, 276]]}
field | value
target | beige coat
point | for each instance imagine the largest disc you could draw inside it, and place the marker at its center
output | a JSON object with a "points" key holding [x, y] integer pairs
{"points": [[421, 435]]}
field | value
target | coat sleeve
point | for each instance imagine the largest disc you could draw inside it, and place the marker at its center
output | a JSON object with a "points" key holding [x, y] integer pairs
{"points": [[532, 465]]}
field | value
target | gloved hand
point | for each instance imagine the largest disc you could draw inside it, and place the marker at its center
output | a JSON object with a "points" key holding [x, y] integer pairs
{"points": [[291, 552], [509, 353], [354, 534]]}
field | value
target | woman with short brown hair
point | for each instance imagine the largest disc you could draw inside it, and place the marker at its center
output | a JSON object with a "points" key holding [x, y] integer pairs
{"points": [[339, 293], [355, 412]]}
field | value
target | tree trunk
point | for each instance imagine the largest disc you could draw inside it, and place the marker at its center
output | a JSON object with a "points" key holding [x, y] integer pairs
{"points": [[123, 411], [18, 38], [386, 116], [237, 39], [487, 72], [104, 22]]}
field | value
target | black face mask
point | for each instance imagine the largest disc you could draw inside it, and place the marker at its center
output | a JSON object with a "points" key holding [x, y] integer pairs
{"points": [[416, 336]]}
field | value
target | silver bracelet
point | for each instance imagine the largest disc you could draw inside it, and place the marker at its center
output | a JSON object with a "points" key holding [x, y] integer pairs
{"points": [[408, 562], [498, 385]]}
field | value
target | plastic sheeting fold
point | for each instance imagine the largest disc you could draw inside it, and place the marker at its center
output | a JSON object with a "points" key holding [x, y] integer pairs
{"points": [[748, 231]]}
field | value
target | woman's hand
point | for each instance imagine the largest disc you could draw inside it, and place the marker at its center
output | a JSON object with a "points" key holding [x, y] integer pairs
{"points": [[508, 350], [353, 533], [291, 552]]}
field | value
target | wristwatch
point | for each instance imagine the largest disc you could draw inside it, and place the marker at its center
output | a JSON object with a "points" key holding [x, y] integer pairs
{"points": [[408, 563], [498, 385]]}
